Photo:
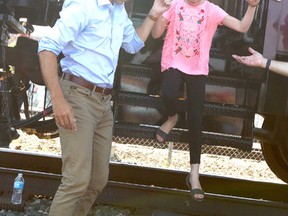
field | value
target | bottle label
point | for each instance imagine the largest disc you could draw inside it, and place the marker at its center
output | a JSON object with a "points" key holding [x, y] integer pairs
{"points": [[19, 185]]}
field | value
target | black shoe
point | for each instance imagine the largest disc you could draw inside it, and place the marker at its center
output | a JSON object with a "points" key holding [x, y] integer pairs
{"points": [[14, 134]]}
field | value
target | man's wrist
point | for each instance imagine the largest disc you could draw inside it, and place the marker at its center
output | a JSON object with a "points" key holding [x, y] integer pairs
{"points": [[267, 66], [152, 17]]}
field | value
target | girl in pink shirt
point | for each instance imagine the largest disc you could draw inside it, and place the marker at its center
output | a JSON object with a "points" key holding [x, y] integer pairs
{"points": [[190, 26]]}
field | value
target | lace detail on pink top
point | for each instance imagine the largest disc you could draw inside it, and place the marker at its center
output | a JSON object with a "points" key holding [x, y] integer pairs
{"points": [[189, 36], [189, 25]]}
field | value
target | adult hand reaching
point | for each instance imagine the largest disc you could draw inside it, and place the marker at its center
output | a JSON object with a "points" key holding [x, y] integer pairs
{"points": [[254, 60], [257, 60]]}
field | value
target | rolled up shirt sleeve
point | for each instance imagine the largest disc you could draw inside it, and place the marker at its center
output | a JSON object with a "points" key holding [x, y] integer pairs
{"points": [[65, 29], [131, 41]]}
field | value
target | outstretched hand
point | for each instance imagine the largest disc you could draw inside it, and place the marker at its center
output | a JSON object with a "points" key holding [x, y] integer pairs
{"points": [[253, 3], [254, 60]]}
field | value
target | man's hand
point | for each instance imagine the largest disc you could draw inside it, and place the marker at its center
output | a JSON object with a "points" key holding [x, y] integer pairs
{"points": [[159, 7], [63, 114], [255, 60]]}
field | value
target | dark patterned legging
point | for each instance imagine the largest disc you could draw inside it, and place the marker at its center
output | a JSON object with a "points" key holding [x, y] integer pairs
{"points": [[195, 87]]}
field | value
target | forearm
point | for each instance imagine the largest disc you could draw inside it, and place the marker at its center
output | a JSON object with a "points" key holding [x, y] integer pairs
{"points": [[278, 67], [49, 70], [159, 28], [145, 28], [247, 20], [240, 25]]}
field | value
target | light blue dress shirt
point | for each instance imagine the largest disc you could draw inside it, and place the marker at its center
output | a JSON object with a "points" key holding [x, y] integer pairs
{"points": [[90, 34]]}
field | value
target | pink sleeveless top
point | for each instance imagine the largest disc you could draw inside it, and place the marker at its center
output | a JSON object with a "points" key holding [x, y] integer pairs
{"points": [[189, 36]]}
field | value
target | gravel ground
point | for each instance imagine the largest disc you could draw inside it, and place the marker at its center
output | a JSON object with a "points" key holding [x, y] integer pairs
{"points": [[143, 156], [154, 157]]}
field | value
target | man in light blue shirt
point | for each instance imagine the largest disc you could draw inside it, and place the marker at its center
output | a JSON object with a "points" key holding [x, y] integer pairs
{"points": [[90, 34]]}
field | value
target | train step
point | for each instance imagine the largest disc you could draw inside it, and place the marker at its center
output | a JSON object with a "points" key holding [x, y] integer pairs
{"points": [[210, 108], [224, 79], [134, 130]]}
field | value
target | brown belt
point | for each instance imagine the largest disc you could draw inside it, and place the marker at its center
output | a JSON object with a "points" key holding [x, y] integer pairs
{"points": [[86, 84]]}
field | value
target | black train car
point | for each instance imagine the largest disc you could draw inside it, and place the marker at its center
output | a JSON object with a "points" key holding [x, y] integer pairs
{"points": [[235, 94]]}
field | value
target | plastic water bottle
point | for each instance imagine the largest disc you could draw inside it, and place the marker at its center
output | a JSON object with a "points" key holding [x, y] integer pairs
{"points": [[18, 189]]}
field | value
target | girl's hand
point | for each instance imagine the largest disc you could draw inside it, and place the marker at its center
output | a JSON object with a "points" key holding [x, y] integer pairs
{"points": [[253, 3]]}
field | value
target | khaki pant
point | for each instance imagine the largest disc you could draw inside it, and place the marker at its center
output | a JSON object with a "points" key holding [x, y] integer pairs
{"points": [[85, 152]]}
